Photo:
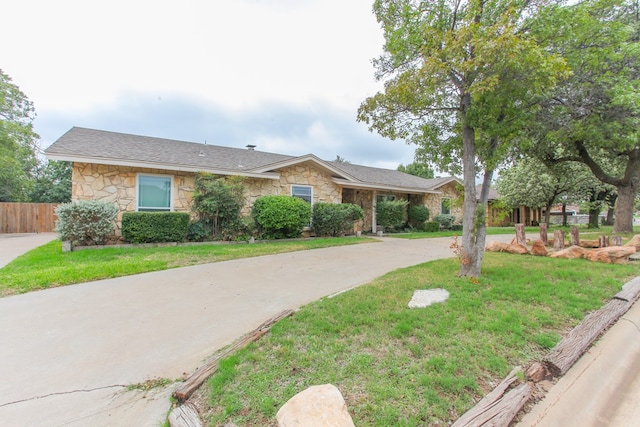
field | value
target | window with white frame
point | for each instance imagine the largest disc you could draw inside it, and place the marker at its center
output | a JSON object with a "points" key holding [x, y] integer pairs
{"points": [[154, 193], [304, 192]]}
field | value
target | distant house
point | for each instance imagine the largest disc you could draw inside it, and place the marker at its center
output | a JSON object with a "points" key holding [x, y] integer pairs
{"points": [[141, 173], [498, 217]]}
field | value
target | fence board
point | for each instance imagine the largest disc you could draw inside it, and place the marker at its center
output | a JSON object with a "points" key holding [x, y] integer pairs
{"points": [[27, 217]]}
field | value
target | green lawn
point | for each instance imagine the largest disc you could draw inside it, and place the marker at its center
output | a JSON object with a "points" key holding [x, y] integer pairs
{"points": [[47, 266], [397, 366]]}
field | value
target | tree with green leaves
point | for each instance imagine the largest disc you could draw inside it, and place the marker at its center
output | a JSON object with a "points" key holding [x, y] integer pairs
{"points": [[458, 76], [18, 142], [593, 116], [423, 170], [52, 183], [218, 201], [529, 182]]}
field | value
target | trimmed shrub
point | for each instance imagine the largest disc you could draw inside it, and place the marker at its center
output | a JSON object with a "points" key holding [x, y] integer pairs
{"points": [[87, 222], [281, 217], [199, 231], [417, 216], [445, 221], [431, 226], [331, 219], [391, 213], [155, 227]]}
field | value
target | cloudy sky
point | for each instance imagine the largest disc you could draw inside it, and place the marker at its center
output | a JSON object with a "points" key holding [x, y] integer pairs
{"points": [[285, 75]]}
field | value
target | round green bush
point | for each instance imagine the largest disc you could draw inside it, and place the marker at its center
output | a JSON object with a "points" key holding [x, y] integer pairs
{"points": [[281, 217]]}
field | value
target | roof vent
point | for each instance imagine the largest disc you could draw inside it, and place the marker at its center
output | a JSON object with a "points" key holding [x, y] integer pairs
{"points": [[251, 147], [201, 154]]}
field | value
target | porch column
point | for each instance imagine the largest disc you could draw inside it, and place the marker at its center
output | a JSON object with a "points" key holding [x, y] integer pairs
{"points": [[374, 204]]}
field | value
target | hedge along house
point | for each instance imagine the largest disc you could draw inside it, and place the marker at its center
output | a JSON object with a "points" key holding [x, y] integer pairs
{"points": [[141, 173]]}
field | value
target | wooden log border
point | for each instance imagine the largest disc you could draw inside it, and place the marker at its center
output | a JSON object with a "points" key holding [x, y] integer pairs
{"points": [[184, 413], [497, 409], [500, 407]]}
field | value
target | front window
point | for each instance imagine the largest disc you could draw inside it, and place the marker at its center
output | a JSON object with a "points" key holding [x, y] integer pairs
{"points": [[303, 192], [154, 193], [445, 208]]}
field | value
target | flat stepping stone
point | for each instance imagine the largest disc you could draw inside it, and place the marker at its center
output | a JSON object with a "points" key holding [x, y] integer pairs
{"points": [[424, 298]]}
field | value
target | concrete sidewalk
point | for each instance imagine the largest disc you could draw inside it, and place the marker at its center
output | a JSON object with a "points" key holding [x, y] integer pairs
{"points": [[69, 353], [602, 388]]}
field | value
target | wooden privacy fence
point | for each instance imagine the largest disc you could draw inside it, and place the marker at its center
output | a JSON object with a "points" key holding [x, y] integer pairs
{"points": [[27, 217]]}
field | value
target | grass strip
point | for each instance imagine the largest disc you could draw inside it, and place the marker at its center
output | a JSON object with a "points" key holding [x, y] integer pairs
{"points": [[414, 367], [47, 266]]}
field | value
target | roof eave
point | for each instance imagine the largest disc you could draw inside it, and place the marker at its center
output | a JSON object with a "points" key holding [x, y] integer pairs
{"points": [[163, 166], [306, 158], [375, 186]]}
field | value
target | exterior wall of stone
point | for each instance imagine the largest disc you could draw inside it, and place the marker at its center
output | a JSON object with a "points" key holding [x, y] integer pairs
{"points": [[434, 202], [324, 190], [117, 184]]}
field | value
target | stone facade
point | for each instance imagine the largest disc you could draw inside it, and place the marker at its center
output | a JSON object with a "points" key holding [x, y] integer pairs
{"points": [[117, 184], [324, 190], [434, 202]]}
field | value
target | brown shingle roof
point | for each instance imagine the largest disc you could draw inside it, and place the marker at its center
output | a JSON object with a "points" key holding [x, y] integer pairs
{"points": [[97, 146]]}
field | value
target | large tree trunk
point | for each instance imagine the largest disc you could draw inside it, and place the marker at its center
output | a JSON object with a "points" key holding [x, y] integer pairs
{"points": [[547, 214], [623, 222], [470, 255], [594, 217]]}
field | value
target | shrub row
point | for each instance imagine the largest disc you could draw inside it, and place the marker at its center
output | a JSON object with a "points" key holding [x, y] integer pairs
{"points": [[155, 227]]}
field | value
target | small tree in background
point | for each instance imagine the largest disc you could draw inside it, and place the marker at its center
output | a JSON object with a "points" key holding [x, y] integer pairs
{"points": [[218, 203]]}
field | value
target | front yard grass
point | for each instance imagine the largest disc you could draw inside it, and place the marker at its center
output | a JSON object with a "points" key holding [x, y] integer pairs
{"points": [[47, 266], [397, 366]]}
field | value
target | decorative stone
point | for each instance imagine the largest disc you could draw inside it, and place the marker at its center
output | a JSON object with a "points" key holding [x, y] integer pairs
{"points": [[495, 246], [317, 406], [538, 248], [611, 254], [572, 252], [512, 248], [635, 241], [425, 298]]}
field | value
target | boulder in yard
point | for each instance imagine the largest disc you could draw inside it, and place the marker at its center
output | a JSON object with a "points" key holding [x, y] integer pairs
{"points": [[590, 243], [317, 406], [611, 254], [635, 241], [538, 248], [572, 252], [495, 246], [512, 248], [517, 249]]}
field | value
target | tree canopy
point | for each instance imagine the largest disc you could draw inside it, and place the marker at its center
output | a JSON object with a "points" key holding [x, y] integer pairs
{"points": [[593, 116], [422, 170], [18, 142], [458, 77]]}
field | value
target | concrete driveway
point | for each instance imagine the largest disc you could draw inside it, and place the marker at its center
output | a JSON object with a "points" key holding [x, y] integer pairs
{"points": [[68, 354], [14, 245]]}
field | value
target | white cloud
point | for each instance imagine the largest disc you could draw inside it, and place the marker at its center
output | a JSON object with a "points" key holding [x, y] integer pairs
{"points": [[286, 75]]}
